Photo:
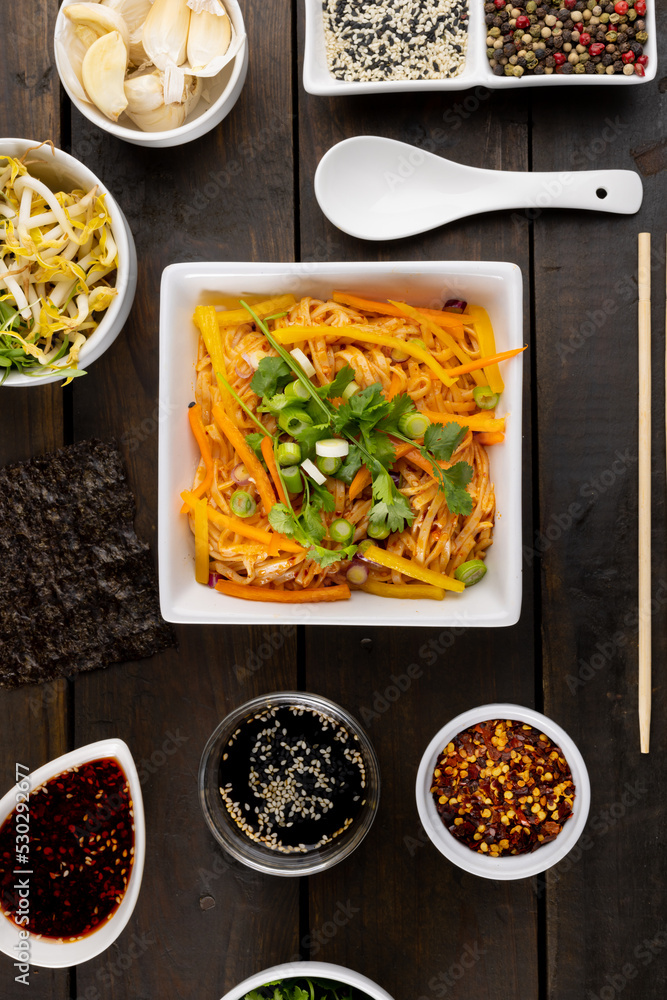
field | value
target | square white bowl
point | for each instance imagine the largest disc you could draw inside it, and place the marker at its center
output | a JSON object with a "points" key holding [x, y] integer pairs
{"points": [[476, 71], [496, 600]]}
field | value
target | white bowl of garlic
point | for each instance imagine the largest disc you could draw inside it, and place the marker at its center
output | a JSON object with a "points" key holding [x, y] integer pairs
{"points": [[152, 72]]}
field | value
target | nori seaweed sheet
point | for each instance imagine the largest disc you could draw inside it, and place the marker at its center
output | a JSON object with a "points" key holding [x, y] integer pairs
{"points": [[77, 585]]}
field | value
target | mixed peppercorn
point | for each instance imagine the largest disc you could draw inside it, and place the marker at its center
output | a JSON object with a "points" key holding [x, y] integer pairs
{"points": [[502, 787], [566, 36]]}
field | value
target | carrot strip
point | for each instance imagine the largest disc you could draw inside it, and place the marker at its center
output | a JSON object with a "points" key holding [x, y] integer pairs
{"points": [[294, 334], [422, 463], [413, 569], [233, 317], [247, 456], [487, 344], [341, 592], [473, 366], [270, 538], [491, 438], [420, 317], [475, 421], [394, 387], [270, 459], [451, 320], [201, 542], [197, 425], [413, 591], [360, 482]]}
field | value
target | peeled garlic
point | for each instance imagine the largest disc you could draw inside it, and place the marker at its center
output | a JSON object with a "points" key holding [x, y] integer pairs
{"points": [[134, 13], [103, 71], [169, 116], [209, 36], [144, 91], [165, 33], [92, 20]]}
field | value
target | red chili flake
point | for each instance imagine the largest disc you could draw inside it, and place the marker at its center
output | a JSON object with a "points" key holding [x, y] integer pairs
{"points": [[513, 797], [74, 885]]}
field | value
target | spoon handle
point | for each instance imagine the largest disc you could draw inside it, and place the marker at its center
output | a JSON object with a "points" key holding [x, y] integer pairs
{"points": [[618, 191]]}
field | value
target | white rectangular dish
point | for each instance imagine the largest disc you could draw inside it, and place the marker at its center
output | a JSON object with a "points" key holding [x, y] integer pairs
{"points": [[496, 600], [476, 72]]}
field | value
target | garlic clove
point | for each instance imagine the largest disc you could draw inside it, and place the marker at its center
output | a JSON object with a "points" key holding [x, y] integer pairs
{"points": [[162, 119], [134, 13], [165, 32], [93, 19], [103, 72], [144, 91], [209, 37]]}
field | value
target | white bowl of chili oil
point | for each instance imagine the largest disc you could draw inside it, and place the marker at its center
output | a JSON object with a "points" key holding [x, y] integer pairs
{"points": [[114, 823], [506, 866]]}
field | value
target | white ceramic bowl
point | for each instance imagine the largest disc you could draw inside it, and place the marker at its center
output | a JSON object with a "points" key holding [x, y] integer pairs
{"points": [[319, 970], [62, 172], [496, 600], [505, 868], [223, 90], [476, 72], [52, 954]]}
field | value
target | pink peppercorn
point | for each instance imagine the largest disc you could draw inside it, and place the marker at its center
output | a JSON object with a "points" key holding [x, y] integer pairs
{"points": [[642, 60], [500, 3], [596, 49], [639, 69], [559, 58], [628, 57], [584, 38], [640, 7], [621, 7], [570, 4], [523, 22]]}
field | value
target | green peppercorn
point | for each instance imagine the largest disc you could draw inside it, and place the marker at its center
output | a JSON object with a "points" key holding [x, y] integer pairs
{"points": [[531, 7], [632, 15], [614, 18], [490, 53], [495, 32], [641, 37], [611, 36], [600, 67], [604, 18], [591, 4], [518, 71], [534, 31], [580, 68], [584, 57], [509, 70]]}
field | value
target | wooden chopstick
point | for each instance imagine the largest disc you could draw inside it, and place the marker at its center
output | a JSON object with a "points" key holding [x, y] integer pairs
{"points": [[644, 316]]}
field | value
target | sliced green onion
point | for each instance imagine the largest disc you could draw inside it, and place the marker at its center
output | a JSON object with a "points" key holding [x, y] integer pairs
{"points": [[242, 504], [328, 466], [418, 342], [414, 425], [398, 355], [379, 531], [350, 390], [289, 453], [311, 469], [341, 531], [302, 360], [332, 447], [294, 420], [295, 390], [485, 397], [292, 479], [470, 572]]}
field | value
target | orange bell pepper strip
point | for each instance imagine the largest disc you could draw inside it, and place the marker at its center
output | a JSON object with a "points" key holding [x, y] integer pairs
{"points": [[270, 459], [418, 316], [491, 438], [473, 366], [308, 595], [272, 539], [446, 319], [247, 456], [197, 425], [474, 421], [413, 569], [359, 483]]}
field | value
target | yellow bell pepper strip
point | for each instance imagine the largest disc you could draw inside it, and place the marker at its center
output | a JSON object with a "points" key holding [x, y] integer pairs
{"points": [[247, 456], [422, 319], [232, 317], [452, 321], [474, 366], [487, 344], [414, 591], [272, 465], [308, 595], [272, 539], [201, 542], [197, 425], [475, 421], [295, 334], [207, 324], [413, 569]]}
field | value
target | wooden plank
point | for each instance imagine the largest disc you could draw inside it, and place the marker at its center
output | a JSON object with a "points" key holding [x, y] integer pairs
{"points": [[202, 919], [607, 900], [419, 926], [33, 720]]}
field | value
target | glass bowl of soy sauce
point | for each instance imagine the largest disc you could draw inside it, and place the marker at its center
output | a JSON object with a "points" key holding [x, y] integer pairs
{"points": [[289, 783]]}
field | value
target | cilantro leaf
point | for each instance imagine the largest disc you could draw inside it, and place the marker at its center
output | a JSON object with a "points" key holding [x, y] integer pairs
{"points": [[350, 466], [362, 411], [454, 482], [254, 441], [327, 557], [272, 375], [282, 519], [442, 440], [275, 404], [312, 522], [381, 448], [400, 405], [390, 507], [340, 383], [322, 499], [309, 436]]}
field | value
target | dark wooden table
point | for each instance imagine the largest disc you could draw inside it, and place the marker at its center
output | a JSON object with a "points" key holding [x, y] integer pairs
{"points": [[596, 925]]}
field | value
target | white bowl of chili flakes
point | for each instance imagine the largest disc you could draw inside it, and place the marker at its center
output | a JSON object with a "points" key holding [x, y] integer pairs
{"points": [[506, 817]]}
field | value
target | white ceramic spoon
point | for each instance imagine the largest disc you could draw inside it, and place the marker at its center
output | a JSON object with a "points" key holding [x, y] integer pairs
{"points": [[380, 189]]}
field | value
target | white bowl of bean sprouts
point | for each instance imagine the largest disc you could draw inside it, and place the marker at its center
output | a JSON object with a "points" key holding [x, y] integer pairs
{"points": [[57, 171]]}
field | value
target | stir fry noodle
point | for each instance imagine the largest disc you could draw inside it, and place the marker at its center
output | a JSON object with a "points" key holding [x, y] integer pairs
{"points": [[343, 445]]}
